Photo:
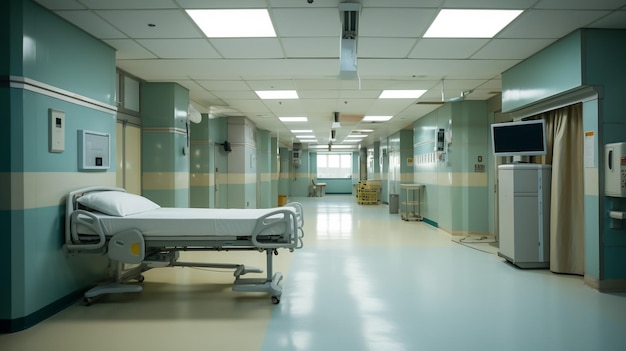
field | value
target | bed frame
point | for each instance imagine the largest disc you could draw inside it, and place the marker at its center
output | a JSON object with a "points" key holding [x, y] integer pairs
{"points": [[85, 234]]}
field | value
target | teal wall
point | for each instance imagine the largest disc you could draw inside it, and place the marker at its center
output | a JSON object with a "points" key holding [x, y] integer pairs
{"points": [[37, 278], [455, 196], [585, 58], [603, 57], [552, 71]]}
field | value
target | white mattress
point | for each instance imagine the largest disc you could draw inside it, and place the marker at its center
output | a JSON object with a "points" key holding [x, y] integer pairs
{"points": [[196, 222]]}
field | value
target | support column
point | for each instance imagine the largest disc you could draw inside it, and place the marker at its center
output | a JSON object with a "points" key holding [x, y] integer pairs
{"points": [[165, 144]]}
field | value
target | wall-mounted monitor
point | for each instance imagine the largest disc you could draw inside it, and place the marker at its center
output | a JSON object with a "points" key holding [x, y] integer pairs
{"points": [[522, 138]]}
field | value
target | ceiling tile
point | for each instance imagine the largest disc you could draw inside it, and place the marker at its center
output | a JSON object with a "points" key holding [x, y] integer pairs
{"points": [[395, 22], [248, 48], [61, 4], [234, 94], [307, 22], [130, 4], [385, 47], [447, 48], [128, 49], [488, 4], [311, 47], [179, 48], [580, 5], [224, 85], [92, 24], [284, 84], [511, 48], [167, 23], [615, 20], [549, 24]]}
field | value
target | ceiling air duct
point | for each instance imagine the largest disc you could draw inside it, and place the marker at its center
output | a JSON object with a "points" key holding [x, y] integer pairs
{"points": [[349, 14], [336, 123]]}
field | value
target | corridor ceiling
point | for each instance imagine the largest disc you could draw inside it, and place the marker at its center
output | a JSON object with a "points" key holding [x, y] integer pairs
{"points": [[157, 41]]}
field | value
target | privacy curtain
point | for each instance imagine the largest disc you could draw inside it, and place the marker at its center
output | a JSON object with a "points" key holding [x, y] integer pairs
{"points": [[565, 153]]}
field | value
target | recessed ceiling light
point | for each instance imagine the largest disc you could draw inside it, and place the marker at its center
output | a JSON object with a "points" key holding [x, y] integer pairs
{"points": [[305, 136], [277, 94], [293, 119], [401, 94], [363, 130], [302, 130], [234, 23], [376, 118], [470, 23], [352, 140], [357, 136]]}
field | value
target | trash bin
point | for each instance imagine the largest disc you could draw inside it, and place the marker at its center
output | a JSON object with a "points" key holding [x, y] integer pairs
{"points": [[282, 200], [394, 200]]}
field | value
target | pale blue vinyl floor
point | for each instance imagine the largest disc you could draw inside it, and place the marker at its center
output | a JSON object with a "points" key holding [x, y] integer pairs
{"points": [[364, 281], [426, 294]]}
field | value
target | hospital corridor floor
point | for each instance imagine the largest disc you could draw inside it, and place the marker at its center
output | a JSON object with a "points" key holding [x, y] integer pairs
{"points": [[364, 280]]}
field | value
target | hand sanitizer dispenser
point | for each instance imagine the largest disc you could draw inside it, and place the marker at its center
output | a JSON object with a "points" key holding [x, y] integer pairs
{"points": [[615, 170]]}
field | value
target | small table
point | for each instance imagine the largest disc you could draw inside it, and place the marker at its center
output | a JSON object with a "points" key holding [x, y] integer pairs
{"points": [[320, 189], [411, 204]]}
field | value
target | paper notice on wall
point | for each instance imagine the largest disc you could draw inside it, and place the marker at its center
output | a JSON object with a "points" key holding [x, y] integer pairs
{"points": [[590, 149]]}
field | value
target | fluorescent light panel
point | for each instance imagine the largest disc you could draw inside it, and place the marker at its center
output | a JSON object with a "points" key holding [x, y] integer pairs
{"points": [[305, 136], [277, 94], [470, 23], [377, 118], [293, 119], [401, 94], [356, 136], [295, 131], [332, 147], [234, 23]]}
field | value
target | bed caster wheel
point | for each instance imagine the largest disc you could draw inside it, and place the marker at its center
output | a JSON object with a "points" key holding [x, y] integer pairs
{"points": [[141, 278], [275, 300]]}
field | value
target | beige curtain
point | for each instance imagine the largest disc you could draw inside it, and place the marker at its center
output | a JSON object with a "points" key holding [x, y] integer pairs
{"points": [[565, 153]]}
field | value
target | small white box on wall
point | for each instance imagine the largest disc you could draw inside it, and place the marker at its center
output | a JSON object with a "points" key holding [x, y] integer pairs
{"points": [[615, 169], [56, 129], [93, 150]]}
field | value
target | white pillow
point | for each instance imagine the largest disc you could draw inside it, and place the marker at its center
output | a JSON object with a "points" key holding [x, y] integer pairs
{"points": [[117, 203]]}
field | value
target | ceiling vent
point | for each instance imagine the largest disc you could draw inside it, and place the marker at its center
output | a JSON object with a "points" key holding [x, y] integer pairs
{"points": [[336, 123], [349, 14]]}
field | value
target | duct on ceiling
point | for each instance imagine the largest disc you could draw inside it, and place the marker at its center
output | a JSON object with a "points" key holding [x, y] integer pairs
{"points": [[349, 13]]}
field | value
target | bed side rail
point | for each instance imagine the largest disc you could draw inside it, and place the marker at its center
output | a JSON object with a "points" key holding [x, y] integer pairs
{"points": [[71, 206], [89, 220], [287, 219]]}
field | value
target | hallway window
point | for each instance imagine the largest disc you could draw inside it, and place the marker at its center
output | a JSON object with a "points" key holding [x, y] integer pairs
{"points": [[334, 165]]}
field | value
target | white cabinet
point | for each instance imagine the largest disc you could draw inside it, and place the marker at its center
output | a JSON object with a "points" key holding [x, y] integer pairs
{"points": [[524, 214]]}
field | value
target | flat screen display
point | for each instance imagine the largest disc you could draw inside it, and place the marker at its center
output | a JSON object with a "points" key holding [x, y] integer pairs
{"points": [[523, 138]]}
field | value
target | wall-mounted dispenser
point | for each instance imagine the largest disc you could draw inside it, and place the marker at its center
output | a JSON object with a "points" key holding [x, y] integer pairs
{"points": [[615, 170], [296, 155], [441, 139], [615, 181]]}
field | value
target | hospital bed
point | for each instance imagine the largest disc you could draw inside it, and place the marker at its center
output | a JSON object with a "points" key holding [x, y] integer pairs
{"points": [[137, 233]]}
